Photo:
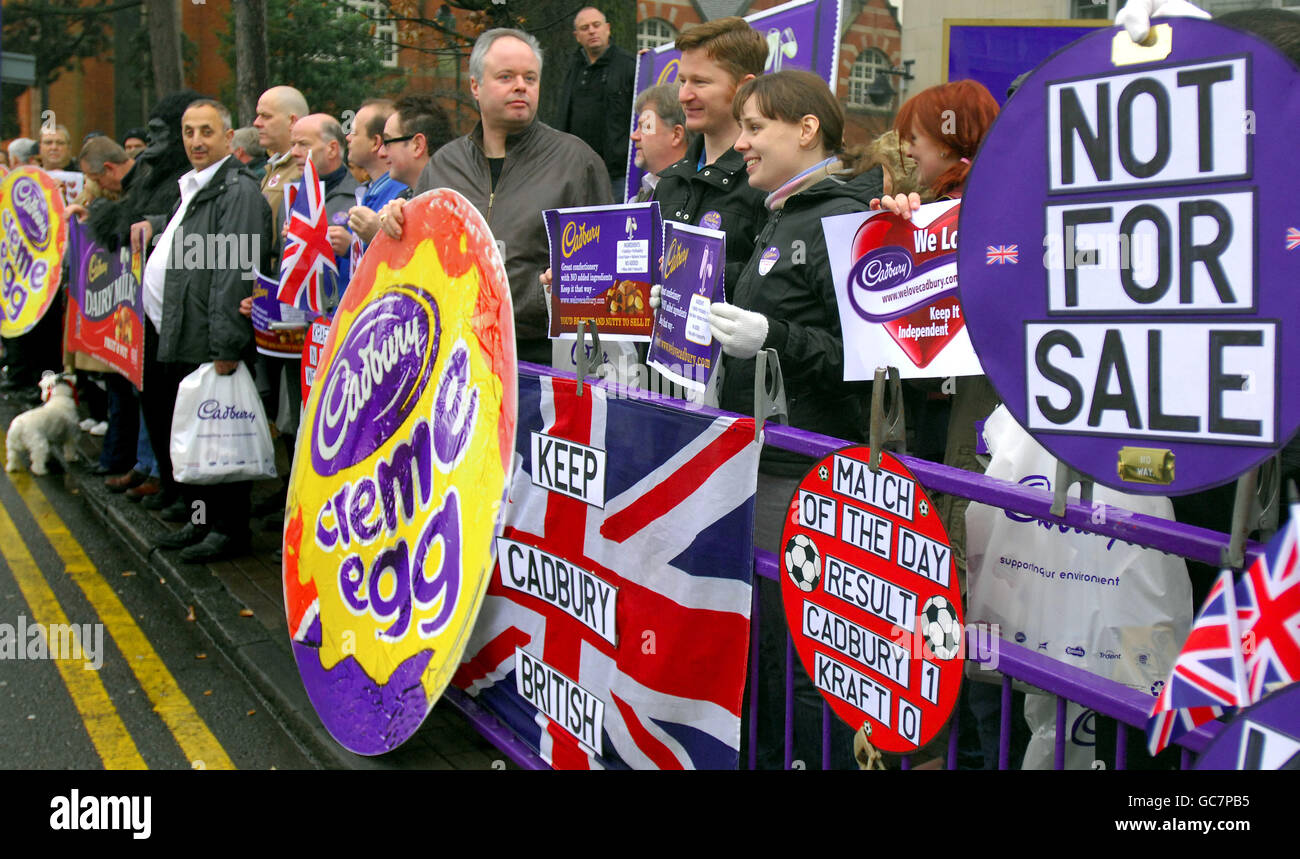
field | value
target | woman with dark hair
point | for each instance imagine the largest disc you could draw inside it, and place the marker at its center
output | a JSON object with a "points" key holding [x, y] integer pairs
{"points": [[792, 143]]}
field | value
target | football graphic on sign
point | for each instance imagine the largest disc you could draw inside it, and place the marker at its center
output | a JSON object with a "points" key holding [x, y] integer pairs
{"points": [[399, 482], [872, 598]]}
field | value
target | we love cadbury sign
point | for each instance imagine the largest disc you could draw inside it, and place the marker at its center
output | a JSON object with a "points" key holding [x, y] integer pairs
{"points": [[896, 286], [1142, 336]]}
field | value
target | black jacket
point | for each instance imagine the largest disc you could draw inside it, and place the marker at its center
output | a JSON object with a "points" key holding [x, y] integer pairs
{"points": [[797, 295], [614, 75], [687, 196], [201, 320], [544, 169]]}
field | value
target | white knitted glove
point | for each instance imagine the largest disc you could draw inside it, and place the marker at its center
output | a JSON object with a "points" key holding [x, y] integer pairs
{"points": [[1136, 15], [654, 296], [741, 332]]}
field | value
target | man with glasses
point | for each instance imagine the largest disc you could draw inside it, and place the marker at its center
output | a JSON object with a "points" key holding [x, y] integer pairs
{"points": [[55, 154], [366, 150], [415, 129]]}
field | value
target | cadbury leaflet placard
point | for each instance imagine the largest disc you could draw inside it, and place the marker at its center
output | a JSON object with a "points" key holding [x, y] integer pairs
{"points": [[602, 264], [683, 348], [398, 486], [1142, 333], [896, 287], [33, 237], [872, 598]]}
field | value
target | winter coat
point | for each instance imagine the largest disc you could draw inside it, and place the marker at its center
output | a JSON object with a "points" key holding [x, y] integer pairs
{"points": [[201, 321], [718, 197], [543, 169], [610, 82], [797, 295]]}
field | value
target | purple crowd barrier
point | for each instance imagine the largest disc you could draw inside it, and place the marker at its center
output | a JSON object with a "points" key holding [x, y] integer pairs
{"points": [[1107, 698]]}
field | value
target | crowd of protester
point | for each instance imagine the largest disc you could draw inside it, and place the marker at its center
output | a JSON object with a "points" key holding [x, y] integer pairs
{"points": [[759, 156]]}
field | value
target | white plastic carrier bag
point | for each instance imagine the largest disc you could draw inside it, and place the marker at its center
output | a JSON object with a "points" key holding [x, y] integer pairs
{"points": [[219, 430], [1112, 608]]}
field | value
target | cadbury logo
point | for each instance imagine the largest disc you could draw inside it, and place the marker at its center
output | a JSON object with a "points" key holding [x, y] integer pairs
{"points": [[576, 237], [881, 269], [214, 410], [375, 379], [33, 215], [676, 255]]}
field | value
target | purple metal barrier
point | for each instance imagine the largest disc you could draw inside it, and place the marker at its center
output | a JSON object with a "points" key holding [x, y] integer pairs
{"points": [[1108, 698]]}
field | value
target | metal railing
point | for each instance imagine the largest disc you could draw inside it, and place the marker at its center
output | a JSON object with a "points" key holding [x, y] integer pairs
{"points": [[1129, 708]]}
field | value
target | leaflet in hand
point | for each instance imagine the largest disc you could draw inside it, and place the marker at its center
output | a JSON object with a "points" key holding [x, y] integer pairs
{"points": [[683, 349], [602, 265]]}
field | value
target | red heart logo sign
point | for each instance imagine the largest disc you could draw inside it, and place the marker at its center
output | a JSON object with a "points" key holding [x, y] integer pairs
{"points": [[923, 332]]}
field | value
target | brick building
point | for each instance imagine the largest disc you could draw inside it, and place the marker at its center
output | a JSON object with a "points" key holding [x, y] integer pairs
{"points": [[871, 45]]}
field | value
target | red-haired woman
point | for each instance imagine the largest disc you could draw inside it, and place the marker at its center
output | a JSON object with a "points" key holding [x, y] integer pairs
{"points": [[942, 128]]}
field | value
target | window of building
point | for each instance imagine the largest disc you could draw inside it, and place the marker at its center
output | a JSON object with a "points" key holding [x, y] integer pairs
{"points": [[653, 32], [1090, 9], [868, 65], [385, 28]]}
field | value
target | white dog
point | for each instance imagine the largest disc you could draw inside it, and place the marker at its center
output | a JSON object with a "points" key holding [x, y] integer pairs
{"points": [[54, 422]]}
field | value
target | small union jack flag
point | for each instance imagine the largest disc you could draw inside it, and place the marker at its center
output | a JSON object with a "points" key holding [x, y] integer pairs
{"points": [[309, 274], [1003, 254], [1244, 644], [1292, 238]]}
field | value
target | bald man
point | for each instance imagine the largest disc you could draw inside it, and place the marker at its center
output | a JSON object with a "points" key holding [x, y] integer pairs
{"points": [[277, 110], [320, 137]]}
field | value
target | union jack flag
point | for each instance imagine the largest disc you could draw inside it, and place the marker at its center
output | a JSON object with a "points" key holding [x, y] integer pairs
{"points": [[1244, 644], [1292, 238], [674, 537], [309, 274], [1002, 254]]}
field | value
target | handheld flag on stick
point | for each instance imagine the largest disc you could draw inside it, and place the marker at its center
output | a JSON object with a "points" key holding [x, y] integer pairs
{"points": [[309, 275]]}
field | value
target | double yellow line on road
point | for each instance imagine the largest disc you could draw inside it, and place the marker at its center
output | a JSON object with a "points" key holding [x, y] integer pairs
{"points": [[111, 739]]}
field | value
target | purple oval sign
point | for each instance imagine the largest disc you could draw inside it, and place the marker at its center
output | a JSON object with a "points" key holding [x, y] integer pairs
{"points": [[375, 379], [881, 269], [33, 211], [1125, 265]]}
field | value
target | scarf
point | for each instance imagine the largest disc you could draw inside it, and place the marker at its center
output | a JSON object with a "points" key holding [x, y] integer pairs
{"points": [[806, 179]]}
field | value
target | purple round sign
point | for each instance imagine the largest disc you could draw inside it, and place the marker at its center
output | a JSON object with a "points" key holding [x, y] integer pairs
{"points": [[1140, 336]]}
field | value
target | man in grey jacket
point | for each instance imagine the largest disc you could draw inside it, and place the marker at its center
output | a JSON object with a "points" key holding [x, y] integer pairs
{"points": [[511, 167], [194, 280]]}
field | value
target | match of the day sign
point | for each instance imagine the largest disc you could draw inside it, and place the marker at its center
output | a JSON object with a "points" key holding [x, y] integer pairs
{"points": [[872, 598], [1144, 346]]}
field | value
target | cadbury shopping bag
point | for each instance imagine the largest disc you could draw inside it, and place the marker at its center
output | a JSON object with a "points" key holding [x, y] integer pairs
{"points": [[219, 430]]}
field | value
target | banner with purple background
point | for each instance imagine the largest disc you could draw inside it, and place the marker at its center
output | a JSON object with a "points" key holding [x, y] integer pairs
{"points": [[802, 34], [1142, 337], [683, 348], [602, 265]]}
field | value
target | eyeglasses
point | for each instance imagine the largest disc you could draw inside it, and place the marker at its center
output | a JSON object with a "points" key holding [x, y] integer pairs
{"points": [[389, 141]]}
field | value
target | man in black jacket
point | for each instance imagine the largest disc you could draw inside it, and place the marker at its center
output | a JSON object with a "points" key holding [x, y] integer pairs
{"points": [[193, 283], [596, 101]]}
